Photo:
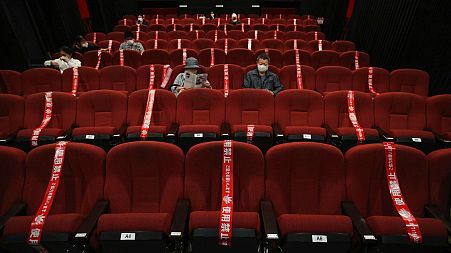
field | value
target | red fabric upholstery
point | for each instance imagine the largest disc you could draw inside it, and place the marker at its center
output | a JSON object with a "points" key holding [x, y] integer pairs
{"points": [[157, 27], [297, 35], [440, 178], [347, 59], [258, 128], [90, 59], [438, 111], [114, 45], [333, 78], [202, 43], [159, 222], [161, 35], [251, 35], [11, 114], [173, 44], [211, 35], [220, 44], [210, 219], [205, 57], [173, 36], [388, 225], [241, 57], [193, 35], [143, 76], [99, 36], [88, 79], [300, 44], [40, 80], [381, 80], [275, 56], [57, 223], [10, 82], [236, 34], [120, 78], [12, 170], [208, 28], [243, 43], [280, 35], [155, 56], [314, 44], [325, 58], [343, 46], [288, 77], [309, 223], [410, 80], [289, 57], [187, 28], [176, 56], [311, 36], [216, 76], [132, 58]]}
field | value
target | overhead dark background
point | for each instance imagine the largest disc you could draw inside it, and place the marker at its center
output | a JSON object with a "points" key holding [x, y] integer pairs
{"points": [[396, 34]]}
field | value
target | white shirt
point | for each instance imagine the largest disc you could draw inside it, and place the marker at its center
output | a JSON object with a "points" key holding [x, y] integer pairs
{"points": [[63, 64]]}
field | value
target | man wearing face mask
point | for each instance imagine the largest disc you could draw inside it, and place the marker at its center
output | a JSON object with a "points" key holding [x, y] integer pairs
{"points": [[82, 46], [130, 43], [141, 20], [235, 20], [65, 61], [191, 67], [262, 78]]}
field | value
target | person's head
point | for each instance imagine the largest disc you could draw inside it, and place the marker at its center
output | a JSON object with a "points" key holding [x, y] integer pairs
{"points": [[234, 17], [66, 52], [192, 65], [81, 41], [262, 62], [128, 37]]}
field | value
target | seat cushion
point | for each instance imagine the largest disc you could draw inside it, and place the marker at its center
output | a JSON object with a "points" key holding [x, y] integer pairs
{"points": [[310, 223], [393, 225], [57, 223], [405, 133], [199, 129], [94, 130], [210, 219], [54, 132], [350, 131], [157, 222], [257, 128], [152, 129], [296, 130]]}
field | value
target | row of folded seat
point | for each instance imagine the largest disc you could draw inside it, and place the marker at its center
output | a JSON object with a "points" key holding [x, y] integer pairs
{"points": [[124, 78], [220, 21], [212, 26], [301, 197], [222, 16], [106, 117], [215, 35]]}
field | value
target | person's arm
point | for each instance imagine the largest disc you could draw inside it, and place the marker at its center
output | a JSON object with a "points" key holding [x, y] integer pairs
{"points": [[74, 63], [140, 48], [122, 46], [278, 87], [247, 81], [177, 85]]}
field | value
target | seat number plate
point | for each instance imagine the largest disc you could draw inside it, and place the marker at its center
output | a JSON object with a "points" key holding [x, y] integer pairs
{"points": [[198, 135], [307, 136], [127, 236], [319, 238], [90, 137]]}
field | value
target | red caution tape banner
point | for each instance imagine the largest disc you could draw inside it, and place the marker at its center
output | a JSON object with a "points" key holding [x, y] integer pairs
{"points": [[75, 78], [299, 81], [226, 216], [151, 77], [226, 80], [147, 115], [167, 72], [212, 57], [121, 57], [412, 227], [356, 60], [99, 59], [250, 134], [353, 118], [370, 81], [48, 109]]}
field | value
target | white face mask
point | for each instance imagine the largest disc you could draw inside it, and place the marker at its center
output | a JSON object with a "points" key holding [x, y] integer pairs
{"points": [[262, 68], [86, 44], [140, 19], [130, 42], [64, 58]]}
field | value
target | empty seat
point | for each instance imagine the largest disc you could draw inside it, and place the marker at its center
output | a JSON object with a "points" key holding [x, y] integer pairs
{"points": [[203, 169], [277, 27], [289, 78], [236, 34], [101, 117], [156, 44], [251, 107], [155, 35], [300, 115], [368, 191], [354, 60], [319, 45], [325, 58], [292, 35], [294, 28], [343, 46], [438, 111], [272, 43], [63, 118], [402, 116], [174, 27], [254, 34], [174, 35], [274, 34], [121, 78], [157, 27], [12, 109], [161, 72], [150, 210], [379, 79], [131, 58], [41, 80], [260, 27], [126, 22], [221, 44], [117, 36], [140, 36], [189, 27], [179, 56], [314, 35], [333, 78], [155, 56], [88, 79], [215, 35], [79, 196], [162, 119], [141, 28], [289, 57], [275, 56], [91, 59], [96, 37], [200, 44], [299, 179], [206, 59], [242, 27], [251, 44], [241, 57], [178, 44], [208, 28], [200, 113], [410, 80], [194, 35], [10, 82], [440, 180], [216, 76], [296, 44]]}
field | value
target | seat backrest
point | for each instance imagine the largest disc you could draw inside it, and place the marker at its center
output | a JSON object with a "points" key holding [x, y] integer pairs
{"points": [[161, 44], [410, 80], [348, 59], [289, 57], [250, 106], [333, 78], [274, 34], [275, 56], [343, 46], [272, 43], [299, 108], [292, 35], [440, 179], [205, 56], [196, 34], [381, 79], [88, 79], [241, 57], [174, 44], [10, 82], [288, 77], [41, 80], [91, 58], [216, 76], [155, 56], [117, 36], [399, 110], [157, 35], [244, 43], [144, 186], [308, 172], [202, 43], [211, 35], [98, 37], [115, 77], [12, 170], [163, 111], [325, 58], [176, 56], [63, 111], [174, 35], [100, 108], [314, 45], [143, 76], [132, 58], [231, 44], [438, 111], [12, 109], [236, 35], [366, 180], [200, 106], [203, 168]]}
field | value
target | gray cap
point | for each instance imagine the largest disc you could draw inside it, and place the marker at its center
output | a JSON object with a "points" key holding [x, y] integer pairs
{"points": [[191, 63]]}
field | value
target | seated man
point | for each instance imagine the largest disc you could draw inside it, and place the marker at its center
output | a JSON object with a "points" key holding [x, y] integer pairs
{"points": [[235, 20], [81, 45], [191, 68], [130, 43], [262, 78], [65, 61]]}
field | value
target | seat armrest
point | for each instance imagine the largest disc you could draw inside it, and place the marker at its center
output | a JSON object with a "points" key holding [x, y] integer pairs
{"points": [[331, 132], [385, 135], [180, 219], [85, 230], [438, 136], [225, 131], [172, 133], [269, 221], [432, 211], [16, 209], [358, 222], [278, 133]]}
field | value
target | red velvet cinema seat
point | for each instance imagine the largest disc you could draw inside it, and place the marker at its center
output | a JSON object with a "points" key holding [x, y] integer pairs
{"points": [[338, 123], [438, 111], [200, 114], [241, 56], [91, 59], [145, 198], [401, 117], [88, 79], [410, 80], [354, 60], [12, 109], [131, 58], [60, 126], [379, 80], [206, 59], [299, 115], [216, 76], [143, 76], [333, 78], [439, 182], [77, 204], [120, 78], [162, 123], [40, 80], [343, 46], [12, 170], [369, 199], [203, 168], [305, 185], [288, 77], [251, 107], [10, 82], [101, 117]]}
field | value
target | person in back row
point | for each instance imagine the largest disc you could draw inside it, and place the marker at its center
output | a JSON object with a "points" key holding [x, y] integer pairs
{"points": [[235, 20], [262, 78], [191, 68], [130, 43], [65, 61], [81, 45]]}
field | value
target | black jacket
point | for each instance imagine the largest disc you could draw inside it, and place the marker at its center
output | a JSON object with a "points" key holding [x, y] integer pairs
{"points": [[269, 81]]}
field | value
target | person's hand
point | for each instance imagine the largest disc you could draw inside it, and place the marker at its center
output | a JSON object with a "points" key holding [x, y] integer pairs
{"points": [[55, 64]]}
